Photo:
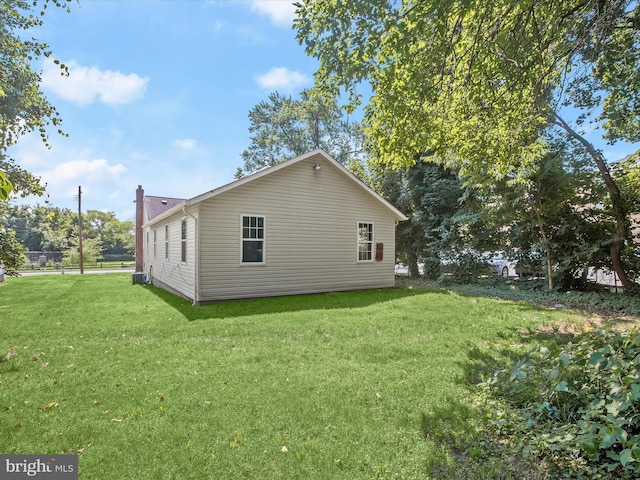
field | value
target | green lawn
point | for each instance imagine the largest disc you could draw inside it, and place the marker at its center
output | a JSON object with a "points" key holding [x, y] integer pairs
{"points": [[142, 385]]}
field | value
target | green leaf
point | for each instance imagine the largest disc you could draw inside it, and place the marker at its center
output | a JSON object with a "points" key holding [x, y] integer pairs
{"points": [[614, 408], [626, 456], [562, 387], [635, 392], [596, 358], [5, 186]]}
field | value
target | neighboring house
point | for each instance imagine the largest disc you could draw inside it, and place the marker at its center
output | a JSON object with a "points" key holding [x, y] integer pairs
{"points": [[306, 225]]}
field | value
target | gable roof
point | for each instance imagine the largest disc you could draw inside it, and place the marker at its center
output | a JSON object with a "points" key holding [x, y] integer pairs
{"points": [[318, 153]]}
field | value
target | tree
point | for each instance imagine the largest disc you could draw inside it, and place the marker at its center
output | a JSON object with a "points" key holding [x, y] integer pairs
{"points": [[115, 237], [24, 221], [41, 227], [555, 214], [442, 214], [10, 252], [23, 106], [284, 128], [91, 251], [52, 228], [57, 226], [480, 83]]}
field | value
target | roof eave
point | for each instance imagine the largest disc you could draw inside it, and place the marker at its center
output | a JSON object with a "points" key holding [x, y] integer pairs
{"points": [[267, 171]]}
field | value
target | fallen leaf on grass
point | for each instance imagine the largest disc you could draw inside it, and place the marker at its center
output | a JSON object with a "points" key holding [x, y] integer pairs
{"points": [[49, 406]]}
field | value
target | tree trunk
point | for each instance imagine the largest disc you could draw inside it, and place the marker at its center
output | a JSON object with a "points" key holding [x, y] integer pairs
{"points": [[620, 213], [538, 209], [414, 271]]}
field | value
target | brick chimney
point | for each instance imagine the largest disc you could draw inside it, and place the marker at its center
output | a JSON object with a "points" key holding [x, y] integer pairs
{"points": [[139, 234]]}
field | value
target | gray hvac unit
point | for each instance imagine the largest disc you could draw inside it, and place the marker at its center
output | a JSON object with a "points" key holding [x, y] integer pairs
{"points": [[139, 277]]}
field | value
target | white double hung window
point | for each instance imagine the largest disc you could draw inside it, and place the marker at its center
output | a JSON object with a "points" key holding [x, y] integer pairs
{"points": [[253, 239], [365, 242], [183, 241]]}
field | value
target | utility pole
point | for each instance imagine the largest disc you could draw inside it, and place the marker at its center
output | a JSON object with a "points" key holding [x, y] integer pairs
{"points": [[80, 229]]}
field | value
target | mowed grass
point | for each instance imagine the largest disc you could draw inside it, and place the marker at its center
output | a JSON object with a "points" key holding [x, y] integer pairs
{"points": [[142, 385]]}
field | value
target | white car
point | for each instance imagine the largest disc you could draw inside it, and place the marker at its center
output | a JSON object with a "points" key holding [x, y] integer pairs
{"points": [[500, 266], [403, 270]]}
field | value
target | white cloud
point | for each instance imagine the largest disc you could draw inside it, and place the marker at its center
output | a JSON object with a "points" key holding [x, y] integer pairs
{"points": [[281, 77], [184, 143], [281, 12], [85, 84], [218, 26], [82, 170]]}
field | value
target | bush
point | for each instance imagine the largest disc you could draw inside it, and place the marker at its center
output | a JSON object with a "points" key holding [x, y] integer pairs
{"points": [[467, 267], [118, 257], [577, 407], [432, 268]]}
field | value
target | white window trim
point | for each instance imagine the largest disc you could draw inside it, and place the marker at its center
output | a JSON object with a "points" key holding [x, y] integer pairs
{"points": [[155, 243], [264, 240], [373, 241]]}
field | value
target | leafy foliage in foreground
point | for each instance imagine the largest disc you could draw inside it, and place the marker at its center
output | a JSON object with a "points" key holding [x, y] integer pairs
{"points": [[577, 407], [601, 301]]}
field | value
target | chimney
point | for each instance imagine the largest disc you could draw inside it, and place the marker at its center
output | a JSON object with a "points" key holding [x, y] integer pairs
{"points": [[139, 236]]}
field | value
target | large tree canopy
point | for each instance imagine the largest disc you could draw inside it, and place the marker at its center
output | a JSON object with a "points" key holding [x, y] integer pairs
{"points": [[479, 83], [284, 127], [23, 106]]}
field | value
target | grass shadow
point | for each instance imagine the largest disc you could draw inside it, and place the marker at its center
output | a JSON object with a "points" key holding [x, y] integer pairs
{"points": [[484, 359], [283, 304], [466, 453]]}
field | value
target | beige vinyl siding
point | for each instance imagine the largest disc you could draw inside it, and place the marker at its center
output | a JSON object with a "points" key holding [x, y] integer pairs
{"points": [[311, 235], [172, 273]]}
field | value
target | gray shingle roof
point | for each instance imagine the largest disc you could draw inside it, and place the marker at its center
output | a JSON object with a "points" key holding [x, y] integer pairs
{"points": [[155, 206]]}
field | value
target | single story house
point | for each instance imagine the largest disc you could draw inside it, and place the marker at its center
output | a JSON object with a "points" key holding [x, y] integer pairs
{"points": [[306, 225]]}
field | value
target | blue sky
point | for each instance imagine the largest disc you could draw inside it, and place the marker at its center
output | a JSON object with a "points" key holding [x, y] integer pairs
{"points": [[159, 94]]}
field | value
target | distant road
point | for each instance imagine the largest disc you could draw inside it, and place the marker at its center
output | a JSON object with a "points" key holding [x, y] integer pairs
{"points": [[75, 271]]}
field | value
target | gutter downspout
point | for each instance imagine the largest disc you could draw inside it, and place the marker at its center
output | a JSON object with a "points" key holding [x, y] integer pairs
{"points": [[196, 255]]}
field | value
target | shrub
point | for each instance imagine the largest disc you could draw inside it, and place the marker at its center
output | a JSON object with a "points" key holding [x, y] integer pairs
{"points": [[467, 267], [118, 257], [432, 268], [577, 407]]}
